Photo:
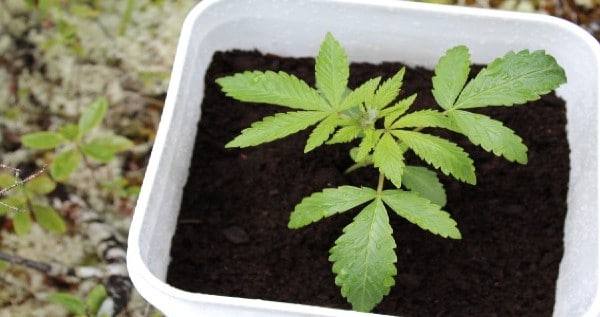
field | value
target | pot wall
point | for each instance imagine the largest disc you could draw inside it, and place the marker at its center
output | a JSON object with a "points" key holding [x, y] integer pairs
{"points": [[373, 31]]}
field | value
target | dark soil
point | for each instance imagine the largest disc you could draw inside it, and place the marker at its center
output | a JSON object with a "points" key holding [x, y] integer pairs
{"points": [[232, 237]]}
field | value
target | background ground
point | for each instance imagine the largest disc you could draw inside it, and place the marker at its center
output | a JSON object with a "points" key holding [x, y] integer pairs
{"points": [[58, 56]]}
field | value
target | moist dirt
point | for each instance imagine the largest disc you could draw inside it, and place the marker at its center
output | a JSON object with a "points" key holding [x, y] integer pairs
{"points": [[232, 237]]}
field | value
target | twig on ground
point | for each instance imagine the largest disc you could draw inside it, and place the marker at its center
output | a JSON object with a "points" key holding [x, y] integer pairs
{"points": [[17, 183], [110, 248]]}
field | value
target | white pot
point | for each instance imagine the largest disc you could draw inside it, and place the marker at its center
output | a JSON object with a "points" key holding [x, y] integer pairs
{"points": [[371, 31]]}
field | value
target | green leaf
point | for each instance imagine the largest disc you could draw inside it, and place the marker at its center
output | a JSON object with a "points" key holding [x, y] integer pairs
{"points": [[104, 148], [69, 302], [83, 11], [442, 154], [21, 222], [451, 74], [360, 95], [67, 30], [332, 70], [426, 183], [64, 164], [276, 127], [392, 113], [345, 134], [321, 133], [388, 157], [41, 185], [513, 79], [6, 179], [8, 204], [69, 131], [93, 115], [421, 212], [364, 259], [388, 91], [43, 140], [366, 161], [491, 135], [367, 143], [427, 118], [327, 203], [133, 190], [268, 87], [49, 218], [95, 298]]}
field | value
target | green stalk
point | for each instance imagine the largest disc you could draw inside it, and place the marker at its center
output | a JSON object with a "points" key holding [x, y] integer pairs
{"points": [[380, 184], [126, 16]]}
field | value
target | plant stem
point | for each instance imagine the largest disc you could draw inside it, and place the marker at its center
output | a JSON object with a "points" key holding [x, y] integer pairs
{"points": [[126, 18], [380, 184]]}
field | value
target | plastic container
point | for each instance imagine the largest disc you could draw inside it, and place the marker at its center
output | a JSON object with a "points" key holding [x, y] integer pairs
{"points": [[374, 31]]}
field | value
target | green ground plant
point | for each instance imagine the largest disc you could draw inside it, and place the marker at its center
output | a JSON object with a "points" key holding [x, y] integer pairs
{"points": [[88, 307], [67, 33], [22, 206], [363, 256], [73, 145]]}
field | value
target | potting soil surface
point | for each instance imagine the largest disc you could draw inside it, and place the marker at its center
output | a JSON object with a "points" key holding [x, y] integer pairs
{"points": [[232, 237]]}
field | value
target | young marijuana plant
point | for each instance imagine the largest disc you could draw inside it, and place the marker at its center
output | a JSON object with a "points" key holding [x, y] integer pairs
{"points": [[363, 256]]}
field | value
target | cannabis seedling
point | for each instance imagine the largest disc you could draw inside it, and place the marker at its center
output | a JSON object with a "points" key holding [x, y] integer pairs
{"points": [[363, 256]]}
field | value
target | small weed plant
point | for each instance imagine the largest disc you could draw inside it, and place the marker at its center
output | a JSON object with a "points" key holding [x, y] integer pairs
{"points": [[90, 306], [26, 193], [373, 116], [73, 143]]}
